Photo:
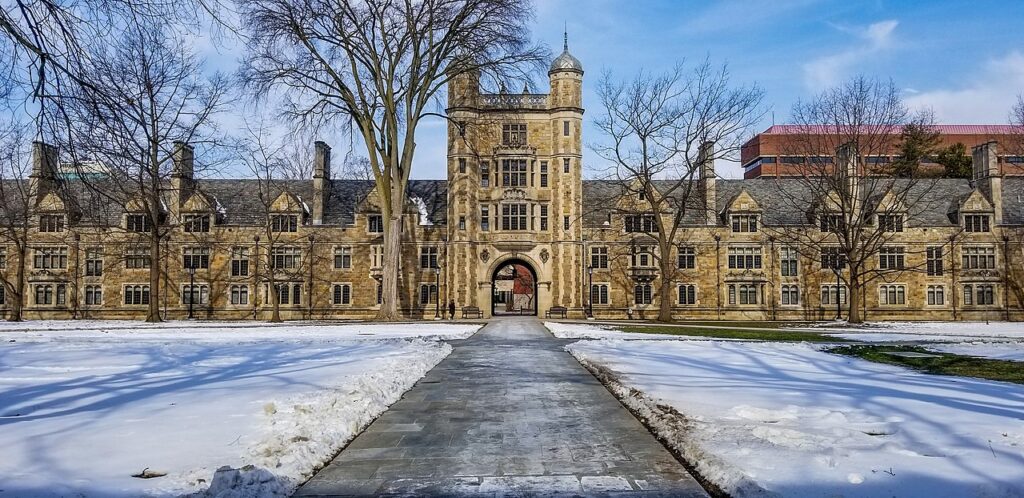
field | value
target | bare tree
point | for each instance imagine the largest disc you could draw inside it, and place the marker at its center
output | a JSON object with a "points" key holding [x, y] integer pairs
{"points": [[16, 208], [1017, 119], [838, 151], [660, 131], [377, 66], [146, 107]]}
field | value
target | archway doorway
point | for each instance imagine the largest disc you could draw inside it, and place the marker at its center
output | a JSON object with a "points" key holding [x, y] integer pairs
{"points": [[514, 289]]}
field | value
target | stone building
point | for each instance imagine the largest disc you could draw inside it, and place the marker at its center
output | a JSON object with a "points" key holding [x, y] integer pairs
{"points": [[514, 196]]}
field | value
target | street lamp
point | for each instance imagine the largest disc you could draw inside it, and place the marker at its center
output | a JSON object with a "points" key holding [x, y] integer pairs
{"points": [[590, 289], [191, 288], [437, 292]]}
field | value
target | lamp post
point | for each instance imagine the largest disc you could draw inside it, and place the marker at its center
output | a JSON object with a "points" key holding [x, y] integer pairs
{"points": [[437, 292], [590, 289], [191, 288]]}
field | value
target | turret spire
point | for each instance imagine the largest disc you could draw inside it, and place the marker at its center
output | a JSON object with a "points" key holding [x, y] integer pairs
{"points": [[565, 37]]}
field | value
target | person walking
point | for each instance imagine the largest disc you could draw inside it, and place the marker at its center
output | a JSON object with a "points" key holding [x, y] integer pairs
{"points": [[451, 309]]}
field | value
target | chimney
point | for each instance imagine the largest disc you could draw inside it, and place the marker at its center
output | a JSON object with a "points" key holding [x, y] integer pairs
{"points": [[321, 180], [985, 164], [847, 159], [706, 169], [43, 179], [182, 174]]}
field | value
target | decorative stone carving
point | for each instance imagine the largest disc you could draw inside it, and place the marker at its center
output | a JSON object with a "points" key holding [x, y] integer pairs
{"points": [[513, 194], [485, 255], [544, 256]]}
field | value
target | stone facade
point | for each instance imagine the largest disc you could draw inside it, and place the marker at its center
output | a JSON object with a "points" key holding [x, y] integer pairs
{"points": [[514, 194]]}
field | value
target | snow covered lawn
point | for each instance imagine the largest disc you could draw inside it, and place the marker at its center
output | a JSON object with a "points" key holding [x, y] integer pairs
{"points": [[1013, 351], [563, 330], [83, 410], [927, 331], [797, 422], [121, 330]]}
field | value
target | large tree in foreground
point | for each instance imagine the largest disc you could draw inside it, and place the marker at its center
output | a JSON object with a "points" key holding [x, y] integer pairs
{"points": [[378, 66], [855, 207], [659, 132]]}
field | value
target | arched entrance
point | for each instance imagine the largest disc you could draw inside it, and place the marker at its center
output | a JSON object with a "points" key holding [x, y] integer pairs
{"points": [[514, 289]]}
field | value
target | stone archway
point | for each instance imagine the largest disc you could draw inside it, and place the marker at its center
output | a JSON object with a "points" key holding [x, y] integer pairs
{"points": [[514, 288]]}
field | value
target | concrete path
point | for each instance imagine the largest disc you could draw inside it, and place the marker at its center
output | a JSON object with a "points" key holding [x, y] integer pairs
{"points": [[507, 413]]}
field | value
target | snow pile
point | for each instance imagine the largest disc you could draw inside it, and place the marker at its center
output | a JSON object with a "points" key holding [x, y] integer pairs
{"points": [[199, 331], [81, 415], [786, 419], [1013, 351], [563, 330]]}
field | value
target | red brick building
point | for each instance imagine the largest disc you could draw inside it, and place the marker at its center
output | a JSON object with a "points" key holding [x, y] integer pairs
{"points": [[773, 153]]}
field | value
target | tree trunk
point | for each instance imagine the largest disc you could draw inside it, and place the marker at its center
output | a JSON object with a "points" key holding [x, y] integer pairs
{"points": [[664, 302], [153, 314], [18, 303], [854, 316], [275, 299], [392, 266]]}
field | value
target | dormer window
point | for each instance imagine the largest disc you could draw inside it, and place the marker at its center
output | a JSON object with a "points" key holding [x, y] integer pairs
{"points": [[890, 222], [137, 223], [195, 223], [831, 223], [513, 134], [977, 223], [284, 223], [744, 222], [51, 223], [375, 223], [644, 223]]}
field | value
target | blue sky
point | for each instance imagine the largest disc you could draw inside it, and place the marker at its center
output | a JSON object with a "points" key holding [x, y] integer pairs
{"points": [[963, 59]]}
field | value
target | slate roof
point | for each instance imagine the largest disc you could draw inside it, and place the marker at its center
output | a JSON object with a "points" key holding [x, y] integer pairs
{"points": [[783, 201], [787, 201]]}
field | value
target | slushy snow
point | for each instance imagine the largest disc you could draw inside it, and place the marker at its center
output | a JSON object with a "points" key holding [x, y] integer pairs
{"points": [[786, 419], [81, 411]]}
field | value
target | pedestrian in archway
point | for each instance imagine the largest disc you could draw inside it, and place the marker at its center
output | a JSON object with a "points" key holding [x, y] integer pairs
{"points": [[451, 309]]}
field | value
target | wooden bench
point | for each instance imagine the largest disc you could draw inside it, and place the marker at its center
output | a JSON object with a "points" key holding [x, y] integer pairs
{"points": [[554, 311], [472, 312]]}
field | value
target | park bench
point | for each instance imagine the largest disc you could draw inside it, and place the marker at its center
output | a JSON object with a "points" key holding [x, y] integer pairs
{"points": [[560, 311], [472, 312]]}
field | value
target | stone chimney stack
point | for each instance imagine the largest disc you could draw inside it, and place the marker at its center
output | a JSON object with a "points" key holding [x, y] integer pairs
{"points": [[182, 174], [44, 178], [321, 180], [708, 180], [987, 177], [847, 167]]}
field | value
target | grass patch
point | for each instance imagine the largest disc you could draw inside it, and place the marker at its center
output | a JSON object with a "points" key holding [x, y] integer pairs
{"points": [[942, 364], [721, 332]]}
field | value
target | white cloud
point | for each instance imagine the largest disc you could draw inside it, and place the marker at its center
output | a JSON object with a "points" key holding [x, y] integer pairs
{"points": [[987, 97], [829, 70]]}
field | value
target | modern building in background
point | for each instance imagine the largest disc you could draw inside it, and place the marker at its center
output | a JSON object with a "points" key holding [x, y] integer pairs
{"points": [[781, 150], [514, 198]]}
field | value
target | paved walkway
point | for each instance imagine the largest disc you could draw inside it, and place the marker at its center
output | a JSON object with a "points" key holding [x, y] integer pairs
{"points": [[507, 413]]}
